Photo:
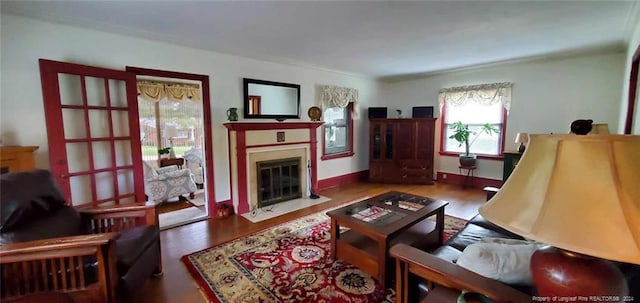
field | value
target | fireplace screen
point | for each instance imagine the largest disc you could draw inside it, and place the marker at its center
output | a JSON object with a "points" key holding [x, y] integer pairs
{"points": [[278, 181]]}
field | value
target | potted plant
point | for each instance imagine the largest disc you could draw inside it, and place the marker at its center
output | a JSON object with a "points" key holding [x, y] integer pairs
{"points": [[462, 134], [164, 152]]}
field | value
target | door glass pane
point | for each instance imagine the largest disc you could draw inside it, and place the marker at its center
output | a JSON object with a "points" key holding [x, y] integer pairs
{"points": [[125, 181], [78, 157], [95, 91], [123, 152], [73, 121], [80, 190], [101, 154], [104, 185], [99, 123], [120, 120], [70, 89], [117, 92]]}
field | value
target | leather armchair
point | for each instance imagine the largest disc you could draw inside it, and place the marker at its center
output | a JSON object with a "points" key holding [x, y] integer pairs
{"points": [[99, 254]]}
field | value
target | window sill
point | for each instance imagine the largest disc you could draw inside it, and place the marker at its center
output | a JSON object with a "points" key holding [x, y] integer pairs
{"points": [[485, 157], [336, 156]]}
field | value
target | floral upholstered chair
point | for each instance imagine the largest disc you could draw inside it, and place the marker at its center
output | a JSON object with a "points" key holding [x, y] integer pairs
{"points": [[163, 183], [195, 164]]}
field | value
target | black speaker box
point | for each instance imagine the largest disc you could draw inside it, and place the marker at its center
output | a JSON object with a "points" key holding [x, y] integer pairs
{"points": [[377, 112], [422, 112]]}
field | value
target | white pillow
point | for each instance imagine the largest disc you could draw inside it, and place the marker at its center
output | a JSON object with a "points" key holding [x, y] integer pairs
{"points": [[504, 260]]}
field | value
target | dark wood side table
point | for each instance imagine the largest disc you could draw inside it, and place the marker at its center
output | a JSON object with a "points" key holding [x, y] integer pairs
{"points": [[172, 161], [511, 159]]}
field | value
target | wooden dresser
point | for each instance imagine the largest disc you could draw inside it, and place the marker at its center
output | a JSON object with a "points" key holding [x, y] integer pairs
{"points": [[16, 158], [401, 150]]}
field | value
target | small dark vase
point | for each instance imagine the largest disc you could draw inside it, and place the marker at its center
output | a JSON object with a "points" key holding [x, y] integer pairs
{"points": [[232, 114], [581, 126], [223, 211]]}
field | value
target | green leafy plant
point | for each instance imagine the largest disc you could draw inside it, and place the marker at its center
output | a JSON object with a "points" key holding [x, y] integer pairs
{"points": [[462, 134], [165, 150]]}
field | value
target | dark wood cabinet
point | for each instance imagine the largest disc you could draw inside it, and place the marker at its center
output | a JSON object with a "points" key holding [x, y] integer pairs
{"points": [[401, 150]]}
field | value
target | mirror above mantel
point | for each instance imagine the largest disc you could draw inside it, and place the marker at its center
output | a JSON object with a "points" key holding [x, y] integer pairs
{"points": [[271, 100]]}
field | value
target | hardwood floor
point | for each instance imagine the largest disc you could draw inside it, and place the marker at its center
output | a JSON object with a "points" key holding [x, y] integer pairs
{"points": [[176, 285]]}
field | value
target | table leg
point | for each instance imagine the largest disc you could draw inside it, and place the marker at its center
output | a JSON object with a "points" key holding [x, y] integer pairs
{"points": [[382, 262], [440, 226], [335, 232]]}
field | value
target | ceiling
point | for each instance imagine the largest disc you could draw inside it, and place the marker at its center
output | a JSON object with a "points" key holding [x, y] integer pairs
{"points": [[377, 39]]}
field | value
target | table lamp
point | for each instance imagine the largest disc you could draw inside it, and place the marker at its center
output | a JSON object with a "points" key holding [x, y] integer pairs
{"points": [[581, 196], [522, 138], [171, 131]]}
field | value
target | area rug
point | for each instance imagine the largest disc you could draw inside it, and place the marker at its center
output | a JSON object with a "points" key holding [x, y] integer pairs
{"points": [[289, 262]]}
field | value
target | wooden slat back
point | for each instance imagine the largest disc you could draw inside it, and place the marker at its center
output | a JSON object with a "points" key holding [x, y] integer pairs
{"points": [[63, 273], [102, 223]]}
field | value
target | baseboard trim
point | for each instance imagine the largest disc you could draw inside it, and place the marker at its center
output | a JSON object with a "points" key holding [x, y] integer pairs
{"points": [[354, 177], [475, 182]]}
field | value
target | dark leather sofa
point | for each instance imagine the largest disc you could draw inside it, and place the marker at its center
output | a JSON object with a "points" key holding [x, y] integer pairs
{"points": [[420, 270], [99, 254]]}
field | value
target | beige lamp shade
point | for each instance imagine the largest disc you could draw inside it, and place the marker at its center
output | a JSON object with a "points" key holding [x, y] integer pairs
{"points": [[170, 131], [522, 138], [599, 129], [578, 193]]}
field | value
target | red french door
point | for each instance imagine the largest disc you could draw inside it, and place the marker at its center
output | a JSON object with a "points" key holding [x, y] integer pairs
{"points": [[93, 132]]}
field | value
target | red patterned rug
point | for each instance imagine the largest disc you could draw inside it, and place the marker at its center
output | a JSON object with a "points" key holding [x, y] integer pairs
{"points": [[287, 263]]}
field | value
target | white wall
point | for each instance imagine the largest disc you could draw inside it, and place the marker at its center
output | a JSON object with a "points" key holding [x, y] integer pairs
{"points": [[634, 43], [547, 95], [24, 41]]}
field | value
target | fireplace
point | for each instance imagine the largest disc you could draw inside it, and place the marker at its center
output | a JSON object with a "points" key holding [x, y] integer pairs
{"points": [[251, 143], [278, 181]]}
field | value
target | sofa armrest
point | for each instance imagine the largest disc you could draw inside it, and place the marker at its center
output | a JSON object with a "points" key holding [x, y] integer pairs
{"points": [[116, 218], [441, 272], [166, 169], [59, 265], [178, 173]]}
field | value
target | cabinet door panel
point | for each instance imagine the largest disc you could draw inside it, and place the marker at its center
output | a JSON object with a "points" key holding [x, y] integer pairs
{"points": [[404, 140], [424, 140]]}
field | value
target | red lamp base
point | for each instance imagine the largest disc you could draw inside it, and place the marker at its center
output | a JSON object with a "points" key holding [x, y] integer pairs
{"points": [[562, 273]]}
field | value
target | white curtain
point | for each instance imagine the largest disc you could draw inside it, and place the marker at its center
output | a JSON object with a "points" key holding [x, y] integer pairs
{"points": [[487, 94], [336, 96]]}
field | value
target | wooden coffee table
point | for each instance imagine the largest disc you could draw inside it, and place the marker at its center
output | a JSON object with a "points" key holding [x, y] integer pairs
{"points": [[366, 244]]}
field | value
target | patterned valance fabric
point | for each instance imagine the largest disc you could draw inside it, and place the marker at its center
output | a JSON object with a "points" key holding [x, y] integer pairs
{"points": [[488, 94], [177, 92], [337, 96]]}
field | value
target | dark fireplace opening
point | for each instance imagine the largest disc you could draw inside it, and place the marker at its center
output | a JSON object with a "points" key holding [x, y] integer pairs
{"points": [[278, 181]]}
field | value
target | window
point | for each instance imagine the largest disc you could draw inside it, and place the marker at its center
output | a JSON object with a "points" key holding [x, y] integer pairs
{"points": [[474, 106], [169, 120], [338, 132]]}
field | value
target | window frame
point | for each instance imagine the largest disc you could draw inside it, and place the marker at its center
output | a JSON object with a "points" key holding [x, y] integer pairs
{"points": [[501, 142], [349, 152]]}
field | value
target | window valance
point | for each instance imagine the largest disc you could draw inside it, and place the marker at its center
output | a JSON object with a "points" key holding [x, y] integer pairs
{"points": [[488, 94], [174, 91], [337, 96]]}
